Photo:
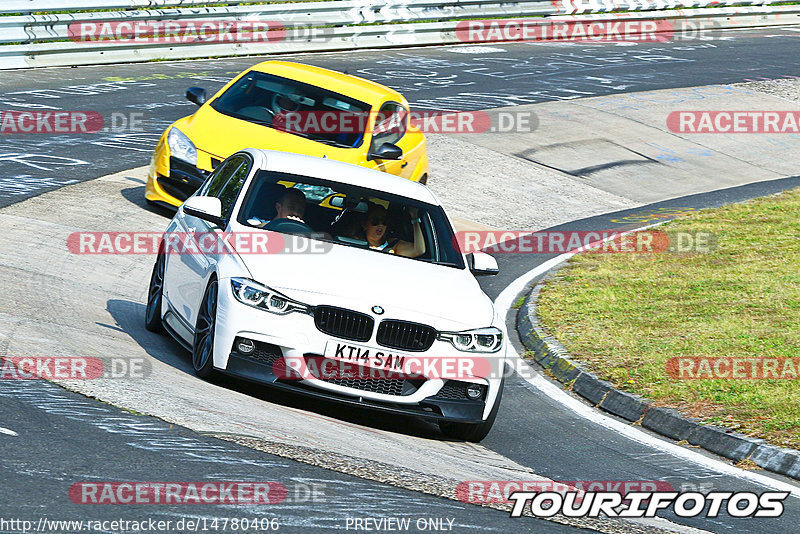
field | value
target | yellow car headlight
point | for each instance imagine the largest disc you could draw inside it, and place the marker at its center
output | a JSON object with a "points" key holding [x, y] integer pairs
{"points": [[181, 147]]}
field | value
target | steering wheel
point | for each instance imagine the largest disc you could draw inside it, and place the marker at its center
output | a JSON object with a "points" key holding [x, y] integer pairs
{"points": [[288, 226]]}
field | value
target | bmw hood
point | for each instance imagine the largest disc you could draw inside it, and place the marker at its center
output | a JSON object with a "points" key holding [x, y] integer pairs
{"points": [[444, 297]]}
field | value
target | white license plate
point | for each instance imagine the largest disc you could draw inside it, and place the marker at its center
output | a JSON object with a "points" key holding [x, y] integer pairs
{"points": [[367, 356]]}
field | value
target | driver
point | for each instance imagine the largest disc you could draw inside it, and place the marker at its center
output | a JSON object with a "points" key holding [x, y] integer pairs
{"points": [[292, 205], [375, 224]]}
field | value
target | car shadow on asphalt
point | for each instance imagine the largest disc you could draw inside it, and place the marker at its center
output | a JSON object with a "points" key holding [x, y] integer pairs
{"points": [[135, 195], [129, 317]]}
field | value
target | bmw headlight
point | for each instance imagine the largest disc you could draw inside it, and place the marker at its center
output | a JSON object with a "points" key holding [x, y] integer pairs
{"points": [[262, 297], [181, 146], [479, 340]]}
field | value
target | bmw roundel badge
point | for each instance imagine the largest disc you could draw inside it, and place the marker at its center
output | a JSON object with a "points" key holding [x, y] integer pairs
{"points": [[377, 310]]}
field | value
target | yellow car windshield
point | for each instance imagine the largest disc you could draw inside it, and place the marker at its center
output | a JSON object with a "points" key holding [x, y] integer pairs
{"points": [[296, 108]]}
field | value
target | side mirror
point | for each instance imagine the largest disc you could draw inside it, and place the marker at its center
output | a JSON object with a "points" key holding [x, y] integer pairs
{"points": [[206, 208], [386, 151], [482, 264], [196, 95]]}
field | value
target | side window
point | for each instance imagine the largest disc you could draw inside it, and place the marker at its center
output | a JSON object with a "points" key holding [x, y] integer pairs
{"points": [[231, 190], [390, 124], [220, 176]]}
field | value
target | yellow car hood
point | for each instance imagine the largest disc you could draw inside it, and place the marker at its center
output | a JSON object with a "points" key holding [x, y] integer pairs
{"points": [[221, 136]]}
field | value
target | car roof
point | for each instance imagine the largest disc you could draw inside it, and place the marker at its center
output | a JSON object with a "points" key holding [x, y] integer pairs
{"points": [[340, 172], [352, 86]]}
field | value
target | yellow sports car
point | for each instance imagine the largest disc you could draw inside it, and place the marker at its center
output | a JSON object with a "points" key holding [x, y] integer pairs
{"points": [[293, 108]]}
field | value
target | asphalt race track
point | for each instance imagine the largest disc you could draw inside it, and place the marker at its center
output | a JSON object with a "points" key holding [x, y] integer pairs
{"points": [[83, 439], [63, 437], [448, 78]]}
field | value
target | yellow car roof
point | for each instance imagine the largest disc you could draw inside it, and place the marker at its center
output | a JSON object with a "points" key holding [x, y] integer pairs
{"points": [[352, 86]]}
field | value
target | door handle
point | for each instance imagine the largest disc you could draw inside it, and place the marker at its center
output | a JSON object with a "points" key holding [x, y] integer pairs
{"points": [[403, 166]]}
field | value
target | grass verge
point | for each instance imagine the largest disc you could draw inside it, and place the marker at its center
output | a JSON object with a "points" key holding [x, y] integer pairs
{"points": [[624, 316]]}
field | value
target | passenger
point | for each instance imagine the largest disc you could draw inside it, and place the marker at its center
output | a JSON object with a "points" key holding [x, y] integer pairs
{"points": [[375, 226], [292, 205]]}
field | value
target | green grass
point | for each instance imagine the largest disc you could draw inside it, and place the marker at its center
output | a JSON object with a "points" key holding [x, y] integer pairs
{"points": [[623, 316]]}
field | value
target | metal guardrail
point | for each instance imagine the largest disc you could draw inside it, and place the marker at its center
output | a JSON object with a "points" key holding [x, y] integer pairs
{"points": [[38, 6], [41, 28], [36, 33]]}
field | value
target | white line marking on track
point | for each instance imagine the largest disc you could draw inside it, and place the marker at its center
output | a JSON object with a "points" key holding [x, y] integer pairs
{"points": [[504, 301], [7, 431]]}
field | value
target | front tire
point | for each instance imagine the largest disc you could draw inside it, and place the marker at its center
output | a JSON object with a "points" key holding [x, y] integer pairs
{"points": [[203, 346], [470, 431], [152, 314]]}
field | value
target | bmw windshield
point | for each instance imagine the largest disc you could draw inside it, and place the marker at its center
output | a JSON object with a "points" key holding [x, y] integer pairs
{"points": [[350, 216]]}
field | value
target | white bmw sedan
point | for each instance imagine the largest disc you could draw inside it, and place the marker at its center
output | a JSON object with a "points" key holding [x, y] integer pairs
{"points": [[334, 281]]}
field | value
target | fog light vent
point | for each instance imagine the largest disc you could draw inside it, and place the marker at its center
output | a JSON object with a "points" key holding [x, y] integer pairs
{"points": [[474, 391], [246, 346]]}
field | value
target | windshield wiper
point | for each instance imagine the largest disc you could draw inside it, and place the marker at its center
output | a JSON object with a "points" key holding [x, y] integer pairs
{"points": [[329, 142], [260, 122], [448, 264], [239, 116]]}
